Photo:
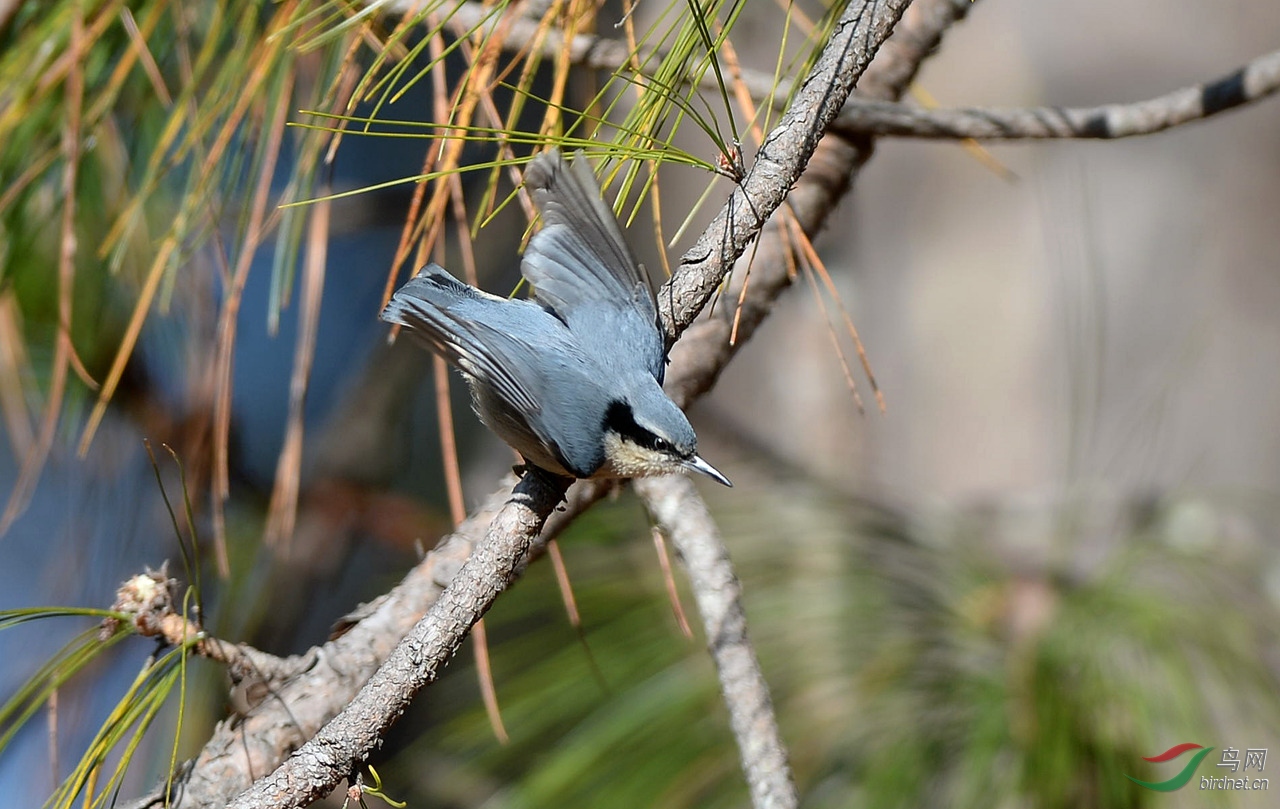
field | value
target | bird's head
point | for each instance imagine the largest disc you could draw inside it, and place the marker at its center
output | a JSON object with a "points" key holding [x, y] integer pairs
{"points": [[647, 434]]}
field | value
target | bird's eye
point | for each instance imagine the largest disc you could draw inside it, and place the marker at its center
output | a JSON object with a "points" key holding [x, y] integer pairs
{"points": [[621, 421]]}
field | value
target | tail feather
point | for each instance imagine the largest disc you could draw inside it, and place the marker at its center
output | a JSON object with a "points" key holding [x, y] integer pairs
{"points": [[447, 315]]}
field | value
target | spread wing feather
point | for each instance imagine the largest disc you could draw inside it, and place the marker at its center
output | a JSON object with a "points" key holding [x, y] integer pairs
{"points": [[580, 256]]}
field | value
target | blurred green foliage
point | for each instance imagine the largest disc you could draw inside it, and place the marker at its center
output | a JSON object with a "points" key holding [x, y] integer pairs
{"points": [[956, 659]]}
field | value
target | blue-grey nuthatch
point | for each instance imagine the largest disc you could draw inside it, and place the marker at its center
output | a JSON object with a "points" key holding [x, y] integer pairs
{"points": [[572, 379]]}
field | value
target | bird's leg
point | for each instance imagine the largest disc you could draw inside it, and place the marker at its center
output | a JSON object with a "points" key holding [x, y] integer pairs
{"points": [[561, 482]]}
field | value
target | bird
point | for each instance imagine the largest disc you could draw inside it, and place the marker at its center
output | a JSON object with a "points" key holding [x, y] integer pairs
{"points": [[572, 377]]}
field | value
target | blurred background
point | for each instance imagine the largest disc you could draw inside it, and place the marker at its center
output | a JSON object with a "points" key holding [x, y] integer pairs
{"points": [[1055, 553]]}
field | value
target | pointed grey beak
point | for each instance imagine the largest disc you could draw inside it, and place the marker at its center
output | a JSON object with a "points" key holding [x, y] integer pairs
{"points": [[702, 467]]}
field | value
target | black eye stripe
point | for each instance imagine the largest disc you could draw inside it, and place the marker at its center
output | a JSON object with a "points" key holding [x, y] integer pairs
{"points": [[619, 418]]}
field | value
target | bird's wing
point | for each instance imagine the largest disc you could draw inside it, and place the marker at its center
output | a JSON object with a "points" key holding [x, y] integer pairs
{"points": [[580, 256], [477, 332]]}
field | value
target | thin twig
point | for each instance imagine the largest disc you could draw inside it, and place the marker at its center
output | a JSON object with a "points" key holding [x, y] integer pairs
{"points": [[282, 511], [224, 358], [669, 580], [152, 604], [1251, 82], [15, 374]]}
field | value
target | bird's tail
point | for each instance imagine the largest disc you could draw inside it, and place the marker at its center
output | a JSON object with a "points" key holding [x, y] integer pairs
{"points": [[434, 286], [453, 320], [423, 307]]}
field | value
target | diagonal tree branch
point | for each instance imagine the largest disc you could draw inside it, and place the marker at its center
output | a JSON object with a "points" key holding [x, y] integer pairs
{"points": [[242, 748], [334, 753], [782, 157], [324, 679]]}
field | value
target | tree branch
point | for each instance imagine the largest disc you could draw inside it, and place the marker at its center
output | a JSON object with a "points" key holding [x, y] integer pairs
{"points": [[779, 162], [704, 369], [328, 677], [253, 745], [336, 751], [1255, 80], [151, 602], [675, 505]]}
